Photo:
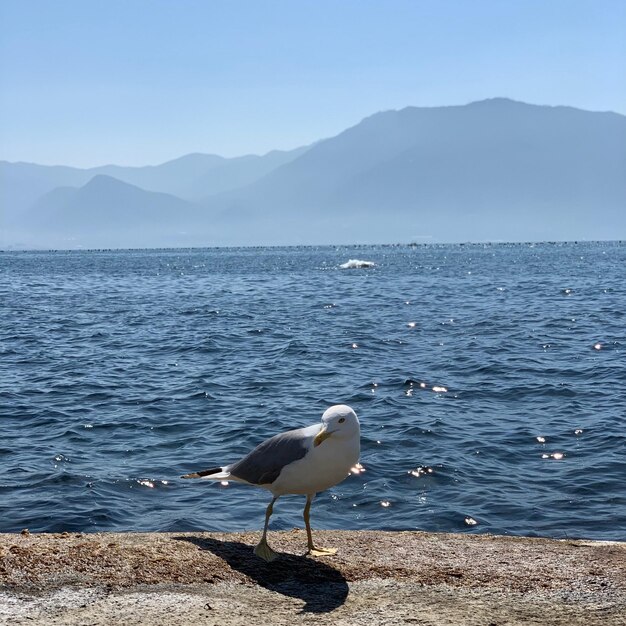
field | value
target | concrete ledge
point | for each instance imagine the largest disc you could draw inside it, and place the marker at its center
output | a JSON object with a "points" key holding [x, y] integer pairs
{"points": [[376, 578]]}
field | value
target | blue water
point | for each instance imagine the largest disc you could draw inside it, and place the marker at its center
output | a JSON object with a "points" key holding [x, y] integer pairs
{"points": [[120, 371]]}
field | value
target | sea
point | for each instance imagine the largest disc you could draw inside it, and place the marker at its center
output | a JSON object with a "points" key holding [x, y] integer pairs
{"points": [[489, 380]]}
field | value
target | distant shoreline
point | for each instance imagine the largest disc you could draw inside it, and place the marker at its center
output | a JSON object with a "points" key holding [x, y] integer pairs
{"points": [[420, 244]]}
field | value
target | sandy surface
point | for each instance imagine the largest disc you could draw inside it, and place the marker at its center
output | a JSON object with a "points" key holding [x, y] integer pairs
{"points": [[376, 578]]}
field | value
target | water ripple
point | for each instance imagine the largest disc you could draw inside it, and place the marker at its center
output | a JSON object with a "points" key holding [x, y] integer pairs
{"points": [[489, 380]]}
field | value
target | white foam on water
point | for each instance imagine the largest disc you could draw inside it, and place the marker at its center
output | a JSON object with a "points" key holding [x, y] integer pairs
{"points": [[353, 264]]}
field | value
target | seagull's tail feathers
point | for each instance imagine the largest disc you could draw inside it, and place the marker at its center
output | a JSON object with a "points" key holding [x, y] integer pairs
{"points": [[215, 473]]}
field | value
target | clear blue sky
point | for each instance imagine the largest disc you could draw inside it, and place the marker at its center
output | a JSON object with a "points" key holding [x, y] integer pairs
{"points": [[88, 82]]}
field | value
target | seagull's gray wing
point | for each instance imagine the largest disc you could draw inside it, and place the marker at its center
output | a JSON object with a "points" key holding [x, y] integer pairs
{"points": [[263, 465]]}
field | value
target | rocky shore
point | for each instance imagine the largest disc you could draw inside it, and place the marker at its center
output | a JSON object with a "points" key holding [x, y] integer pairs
{"points": [[376, 578]]}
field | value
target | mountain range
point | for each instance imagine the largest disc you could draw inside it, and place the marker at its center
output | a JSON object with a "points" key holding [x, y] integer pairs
{"points": [[494, 170]]}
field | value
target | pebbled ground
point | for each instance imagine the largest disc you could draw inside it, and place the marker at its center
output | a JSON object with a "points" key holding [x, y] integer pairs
{"points": [[376, 578]]}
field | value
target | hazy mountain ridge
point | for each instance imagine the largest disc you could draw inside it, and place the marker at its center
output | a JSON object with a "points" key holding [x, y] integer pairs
{"points": [[490, 170], [495, 169], [192, 176], [107, 209]]}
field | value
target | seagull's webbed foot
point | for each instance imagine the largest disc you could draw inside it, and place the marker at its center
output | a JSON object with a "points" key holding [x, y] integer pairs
{"points": [[313, 551], [264, 552]]}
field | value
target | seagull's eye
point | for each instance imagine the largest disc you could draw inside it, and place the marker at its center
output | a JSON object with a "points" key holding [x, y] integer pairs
{"points": [[342, 420]]}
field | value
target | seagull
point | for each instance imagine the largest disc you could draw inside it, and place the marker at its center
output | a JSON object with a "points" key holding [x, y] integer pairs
{"points": [[304, 461]]}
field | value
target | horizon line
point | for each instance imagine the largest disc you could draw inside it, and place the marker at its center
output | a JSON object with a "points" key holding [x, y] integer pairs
{"points": [[410, 244]]}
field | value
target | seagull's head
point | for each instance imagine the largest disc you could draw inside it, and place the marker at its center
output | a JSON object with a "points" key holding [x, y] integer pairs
{"points": [[340, 422]]}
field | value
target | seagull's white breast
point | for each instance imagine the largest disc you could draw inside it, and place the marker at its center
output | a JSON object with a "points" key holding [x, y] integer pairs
{"points": [[322, 467]]}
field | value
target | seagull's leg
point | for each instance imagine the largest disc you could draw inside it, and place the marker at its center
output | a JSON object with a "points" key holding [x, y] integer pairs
{"points": [[313, 551], [263, 550]]}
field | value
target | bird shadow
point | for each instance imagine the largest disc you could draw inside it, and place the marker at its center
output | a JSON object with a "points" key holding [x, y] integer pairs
{"points": [[322, 587]]}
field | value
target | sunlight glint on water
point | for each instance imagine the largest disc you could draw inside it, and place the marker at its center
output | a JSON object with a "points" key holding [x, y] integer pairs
{"points": [[489, 381]]}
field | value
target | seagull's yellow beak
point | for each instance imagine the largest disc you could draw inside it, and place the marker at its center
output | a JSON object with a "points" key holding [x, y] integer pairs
{"points": [[321, 436]]}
